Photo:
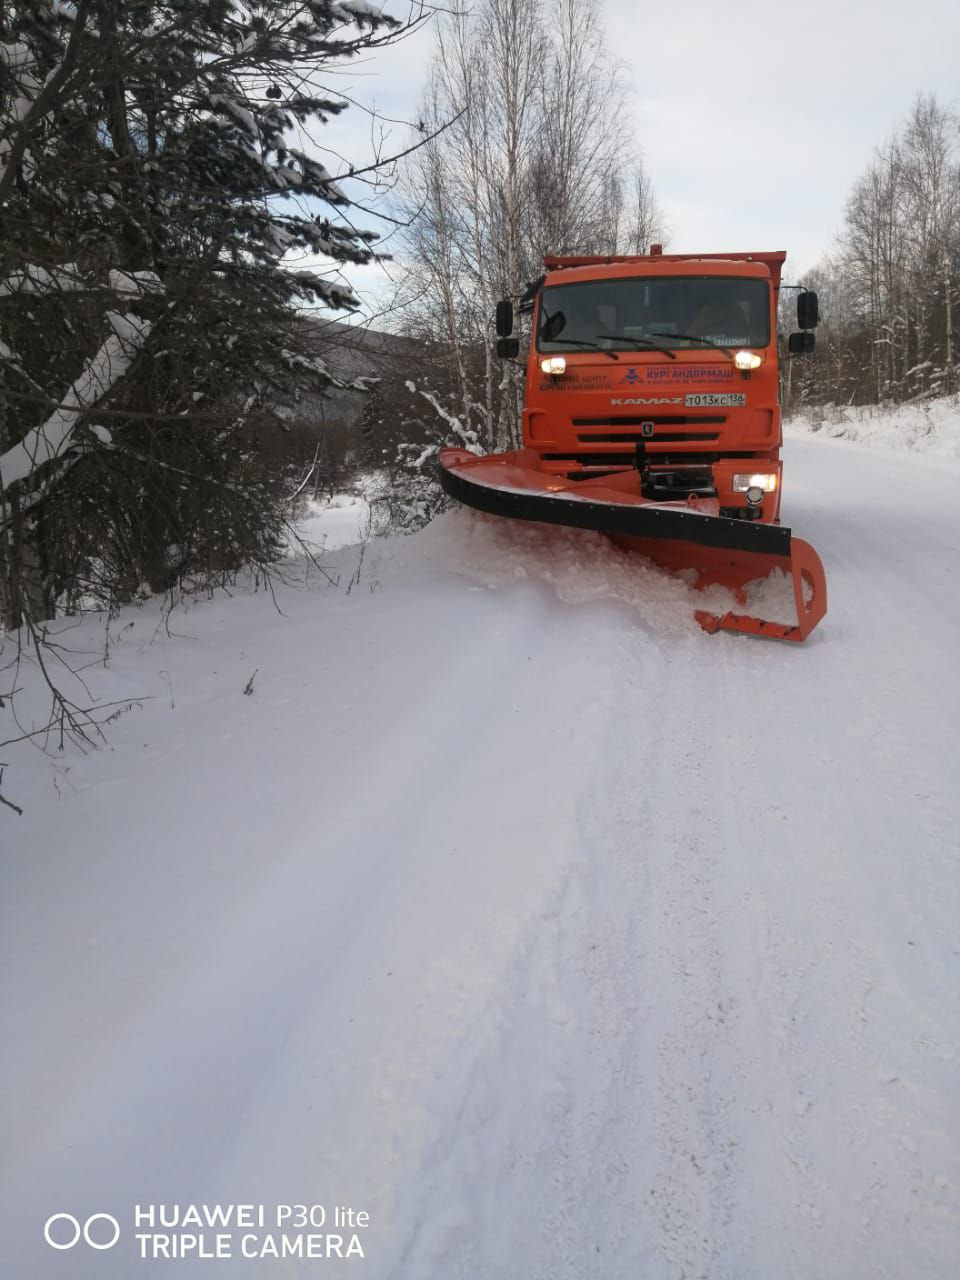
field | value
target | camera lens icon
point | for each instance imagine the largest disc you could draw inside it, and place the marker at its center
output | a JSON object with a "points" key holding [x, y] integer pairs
{"points": [[68, 1235]]}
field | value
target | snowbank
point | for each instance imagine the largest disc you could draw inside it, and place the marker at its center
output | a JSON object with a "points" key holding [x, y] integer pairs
{"points": [[932, 427]]}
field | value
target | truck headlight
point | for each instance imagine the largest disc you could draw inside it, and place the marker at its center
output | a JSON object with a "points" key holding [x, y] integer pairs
{"points": [[554, 366], [743, 482], [747, 360]]}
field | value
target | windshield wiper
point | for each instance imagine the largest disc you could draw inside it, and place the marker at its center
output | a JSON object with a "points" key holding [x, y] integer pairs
{"points": [[640, 342], [580, 342], [550, 332], [696, 337]]}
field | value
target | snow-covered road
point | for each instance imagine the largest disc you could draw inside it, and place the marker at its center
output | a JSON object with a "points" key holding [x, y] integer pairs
{"points": [[511, 909]]}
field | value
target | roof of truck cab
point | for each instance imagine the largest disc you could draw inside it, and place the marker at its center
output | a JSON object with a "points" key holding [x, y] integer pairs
{"points": [[622, 268]]}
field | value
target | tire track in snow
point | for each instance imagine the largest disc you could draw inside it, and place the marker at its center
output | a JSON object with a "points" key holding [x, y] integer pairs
{"points": [[689, 1007], [833, 1170], [482, 1177], [614, 1152], [350, 975], [479, 861]]}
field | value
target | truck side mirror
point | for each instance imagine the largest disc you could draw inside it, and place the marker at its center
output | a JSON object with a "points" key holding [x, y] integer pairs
{"points": [[504, 322], [508, 348], [808, 310], [801, 344]]}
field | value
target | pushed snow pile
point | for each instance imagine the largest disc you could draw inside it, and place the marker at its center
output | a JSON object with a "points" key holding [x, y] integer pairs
{"points": [[930, 427], [578, 566]]}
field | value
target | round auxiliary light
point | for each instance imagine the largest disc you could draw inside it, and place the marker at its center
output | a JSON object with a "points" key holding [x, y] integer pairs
{"points": [[754, 495], [747, 360], [554, 366]]}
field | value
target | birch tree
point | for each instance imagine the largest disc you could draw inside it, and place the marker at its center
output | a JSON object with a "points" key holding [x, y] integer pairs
{"points": [[540, 160], [894, 281]]}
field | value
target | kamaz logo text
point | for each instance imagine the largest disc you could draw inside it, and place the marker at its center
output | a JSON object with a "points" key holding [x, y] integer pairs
{"points": [[649, 400]]}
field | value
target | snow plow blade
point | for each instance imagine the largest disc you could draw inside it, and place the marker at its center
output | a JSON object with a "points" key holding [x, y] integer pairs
{"points": [[675, 535]]}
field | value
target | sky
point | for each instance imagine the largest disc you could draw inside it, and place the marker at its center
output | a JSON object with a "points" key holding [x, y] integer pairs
{"points": [[754, 119]]}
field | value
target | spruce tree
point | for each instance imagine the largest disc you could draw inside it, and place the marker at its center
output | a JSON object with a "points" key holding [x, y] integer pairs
{"points": [[158, 162]]}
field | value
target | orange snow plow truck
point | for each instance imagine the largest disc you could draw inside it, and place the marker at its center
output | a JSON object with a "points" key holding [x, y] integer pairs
{"points": [[652, 414]]}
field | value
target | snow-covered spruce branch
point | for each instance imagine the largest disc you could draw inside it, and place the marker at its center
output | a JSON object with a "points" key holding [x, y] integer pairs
{"points": [[44, 444], [69, 278]]}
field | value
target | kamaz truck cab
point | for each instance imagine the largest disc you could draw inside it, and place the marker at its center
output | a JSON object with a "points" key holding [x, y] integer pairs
{"points": [[665, 363]]}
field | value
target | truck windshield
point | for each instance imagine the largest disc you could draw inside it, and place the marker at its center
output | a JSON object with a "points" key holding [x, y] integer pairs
{"points": [[669, 312]]}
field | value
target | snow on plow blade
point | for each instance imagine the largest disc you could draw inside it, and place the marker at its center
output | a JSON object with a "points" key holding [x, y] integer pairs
{"points": [[675, 535]]}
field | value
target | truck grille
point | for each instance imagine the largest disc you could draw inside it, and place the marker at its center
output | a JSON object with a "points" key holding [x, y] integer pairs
{"points": [[618, 428], [599, 455], [659, 420]]}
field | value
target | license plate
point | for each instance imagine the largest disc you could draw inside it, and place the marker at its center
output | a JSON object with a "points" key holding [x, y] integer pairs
{"points": [[713, 400]]}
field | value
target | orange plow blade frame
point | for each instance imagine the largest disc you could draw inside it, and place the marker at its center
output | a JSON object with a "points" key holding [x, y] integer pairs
{"points": [[675, 535], [734, 570]]}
